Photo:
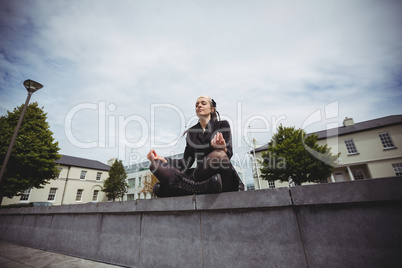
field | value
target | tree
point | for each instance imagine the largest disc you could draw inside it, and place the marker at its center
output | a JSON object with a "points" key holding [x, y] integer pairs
{"points": [[116, 186], [149, 185], [294, 155], [33, 158]]}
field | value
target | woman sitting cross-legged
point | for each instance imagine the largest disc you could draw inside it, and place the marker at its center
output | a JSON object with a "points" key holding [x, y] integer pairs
{"points": [[209, 143]]}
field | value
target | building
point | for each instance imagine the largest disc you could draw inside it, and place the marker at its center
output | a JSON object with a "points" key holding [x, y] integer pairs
{"points": [[137, 174], [369, 149], [80, 181]]}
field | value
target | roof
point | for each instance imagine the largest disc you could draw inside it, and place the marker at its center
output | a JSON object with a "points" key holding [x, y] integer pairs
{"points": [[137, 167], [357, 127], [260, 149], [82, 162]]}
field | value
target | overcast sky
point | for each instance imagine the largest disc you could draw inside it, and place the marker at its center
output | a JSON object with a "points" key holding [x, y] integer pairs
{"points": [[123, 76]]}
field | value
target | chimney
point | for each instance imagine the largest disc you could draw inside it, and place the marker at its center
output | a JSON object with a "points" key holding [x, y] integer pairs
{"points": [[255, 143], [111, 162], [348, 122]]}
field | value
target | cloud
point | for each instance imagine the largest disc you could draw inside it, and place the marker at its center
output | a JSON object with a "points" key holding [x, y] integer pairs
{"points": [[277, 60]]}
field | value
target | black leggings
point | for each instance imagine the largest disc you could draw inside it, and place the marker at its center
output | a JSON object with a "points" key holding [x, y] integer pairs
{"points": [[215, 162]]}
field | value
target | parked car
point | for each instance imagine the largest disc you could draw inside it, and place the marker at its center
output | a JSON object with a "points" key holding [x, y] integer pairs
{"points": [[31, 204], [40, 204]]}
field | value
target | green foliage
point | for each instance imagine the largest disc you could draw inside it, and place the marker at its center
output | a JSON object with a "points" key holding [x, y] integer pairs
{"points": [[116, 186], [294, 155], [33, 158]]}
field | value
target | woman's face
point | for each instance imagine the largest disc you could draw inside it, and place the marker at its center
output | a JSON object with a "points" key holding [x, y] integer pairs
{"points": [[203, 107]]}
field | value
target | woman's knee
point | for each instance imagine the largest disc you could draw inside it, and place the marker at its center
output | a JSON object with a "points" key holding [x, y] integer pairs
{"points": [[218, 154], [155, 165], [218, 159]]}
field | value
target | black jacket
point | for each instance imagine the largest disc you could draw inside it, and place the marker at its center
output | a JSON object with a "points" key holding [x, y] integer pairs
{"points": [[198, 143]]}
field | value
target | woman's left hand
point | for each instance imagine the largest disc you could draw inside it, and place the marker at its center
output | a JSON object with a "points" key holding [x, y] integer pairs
{"points": [[218, 142]]}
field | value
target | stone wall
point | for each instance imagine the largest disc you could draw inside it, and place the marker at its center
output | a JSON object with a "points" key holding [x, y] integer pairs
{"points": [[346, 224]]}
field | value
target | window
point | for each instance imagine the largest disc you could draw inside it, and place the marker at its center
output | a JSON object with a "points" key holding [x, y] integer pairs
{"points": [[131, 183], [139, 181], [78, 197], [95, 196], [350, 145], [386, 140], [271, 184], [358, 174], [398, 169], [98, 176], [25, 195], [52, 194], [83, 174], [130, 197], [339, 176]]}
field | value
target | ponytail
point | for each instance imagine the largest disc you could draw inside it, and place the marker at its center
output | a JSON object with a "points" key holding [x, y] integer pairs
{"points": [[215, 114]]}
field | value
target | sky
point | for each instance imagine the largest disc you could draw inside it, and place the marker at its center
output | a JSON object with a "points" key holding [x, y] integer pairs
{"points": [[122, 77]]}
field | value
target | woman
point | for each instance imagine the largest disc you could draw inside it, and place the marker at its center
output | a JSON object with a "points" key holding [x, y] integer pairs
{"points": [[209, 143]]}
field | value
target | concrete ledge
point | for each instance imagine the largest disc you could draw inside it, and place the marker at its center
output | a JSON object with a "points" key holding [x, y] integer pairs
{"points": [[350, 224], [181, 203], [268, 198], [384, 189], [352, 234], [233, 200]]}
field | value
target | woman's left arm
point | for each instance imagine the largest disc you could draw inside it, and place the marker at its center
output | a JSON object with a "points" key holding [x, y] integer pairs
{"points": [[223, 138]]}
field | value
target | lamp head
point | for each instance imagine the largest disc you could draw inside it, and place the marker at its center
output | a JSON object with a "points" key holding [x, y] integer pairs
{"points": [[32, 86]]}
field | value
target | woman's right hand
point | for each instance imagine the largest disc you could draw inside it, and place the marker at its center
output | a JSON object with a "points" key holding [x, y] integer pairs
{"points": [[152, 156]]}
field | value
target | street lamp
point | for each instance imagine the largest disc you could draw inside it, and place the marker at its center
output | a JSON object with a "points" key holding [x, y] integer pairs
{"points": [[254, 164], [31, 87]]}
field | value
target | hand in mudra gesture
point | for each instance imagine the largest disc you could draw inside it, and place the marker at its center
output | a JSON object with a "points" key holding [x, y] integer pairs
{"points": [[218, 142], [152, 156]]}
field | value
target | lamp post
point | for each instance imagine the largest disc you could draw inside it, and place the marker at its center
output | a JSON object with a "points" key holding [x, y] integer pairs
{"points": [[31, 87], [254, 164]]}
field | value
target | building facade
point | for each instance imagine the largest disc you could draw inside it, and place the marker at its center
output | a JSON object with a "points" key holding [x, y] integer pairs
{"points": [[369, 149], [137, 174], [80, 181]]}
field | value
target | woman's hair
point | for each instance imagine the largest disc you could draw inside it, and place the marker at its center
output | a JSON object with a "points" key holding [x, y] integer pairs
{"points": [[215, 114]]}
